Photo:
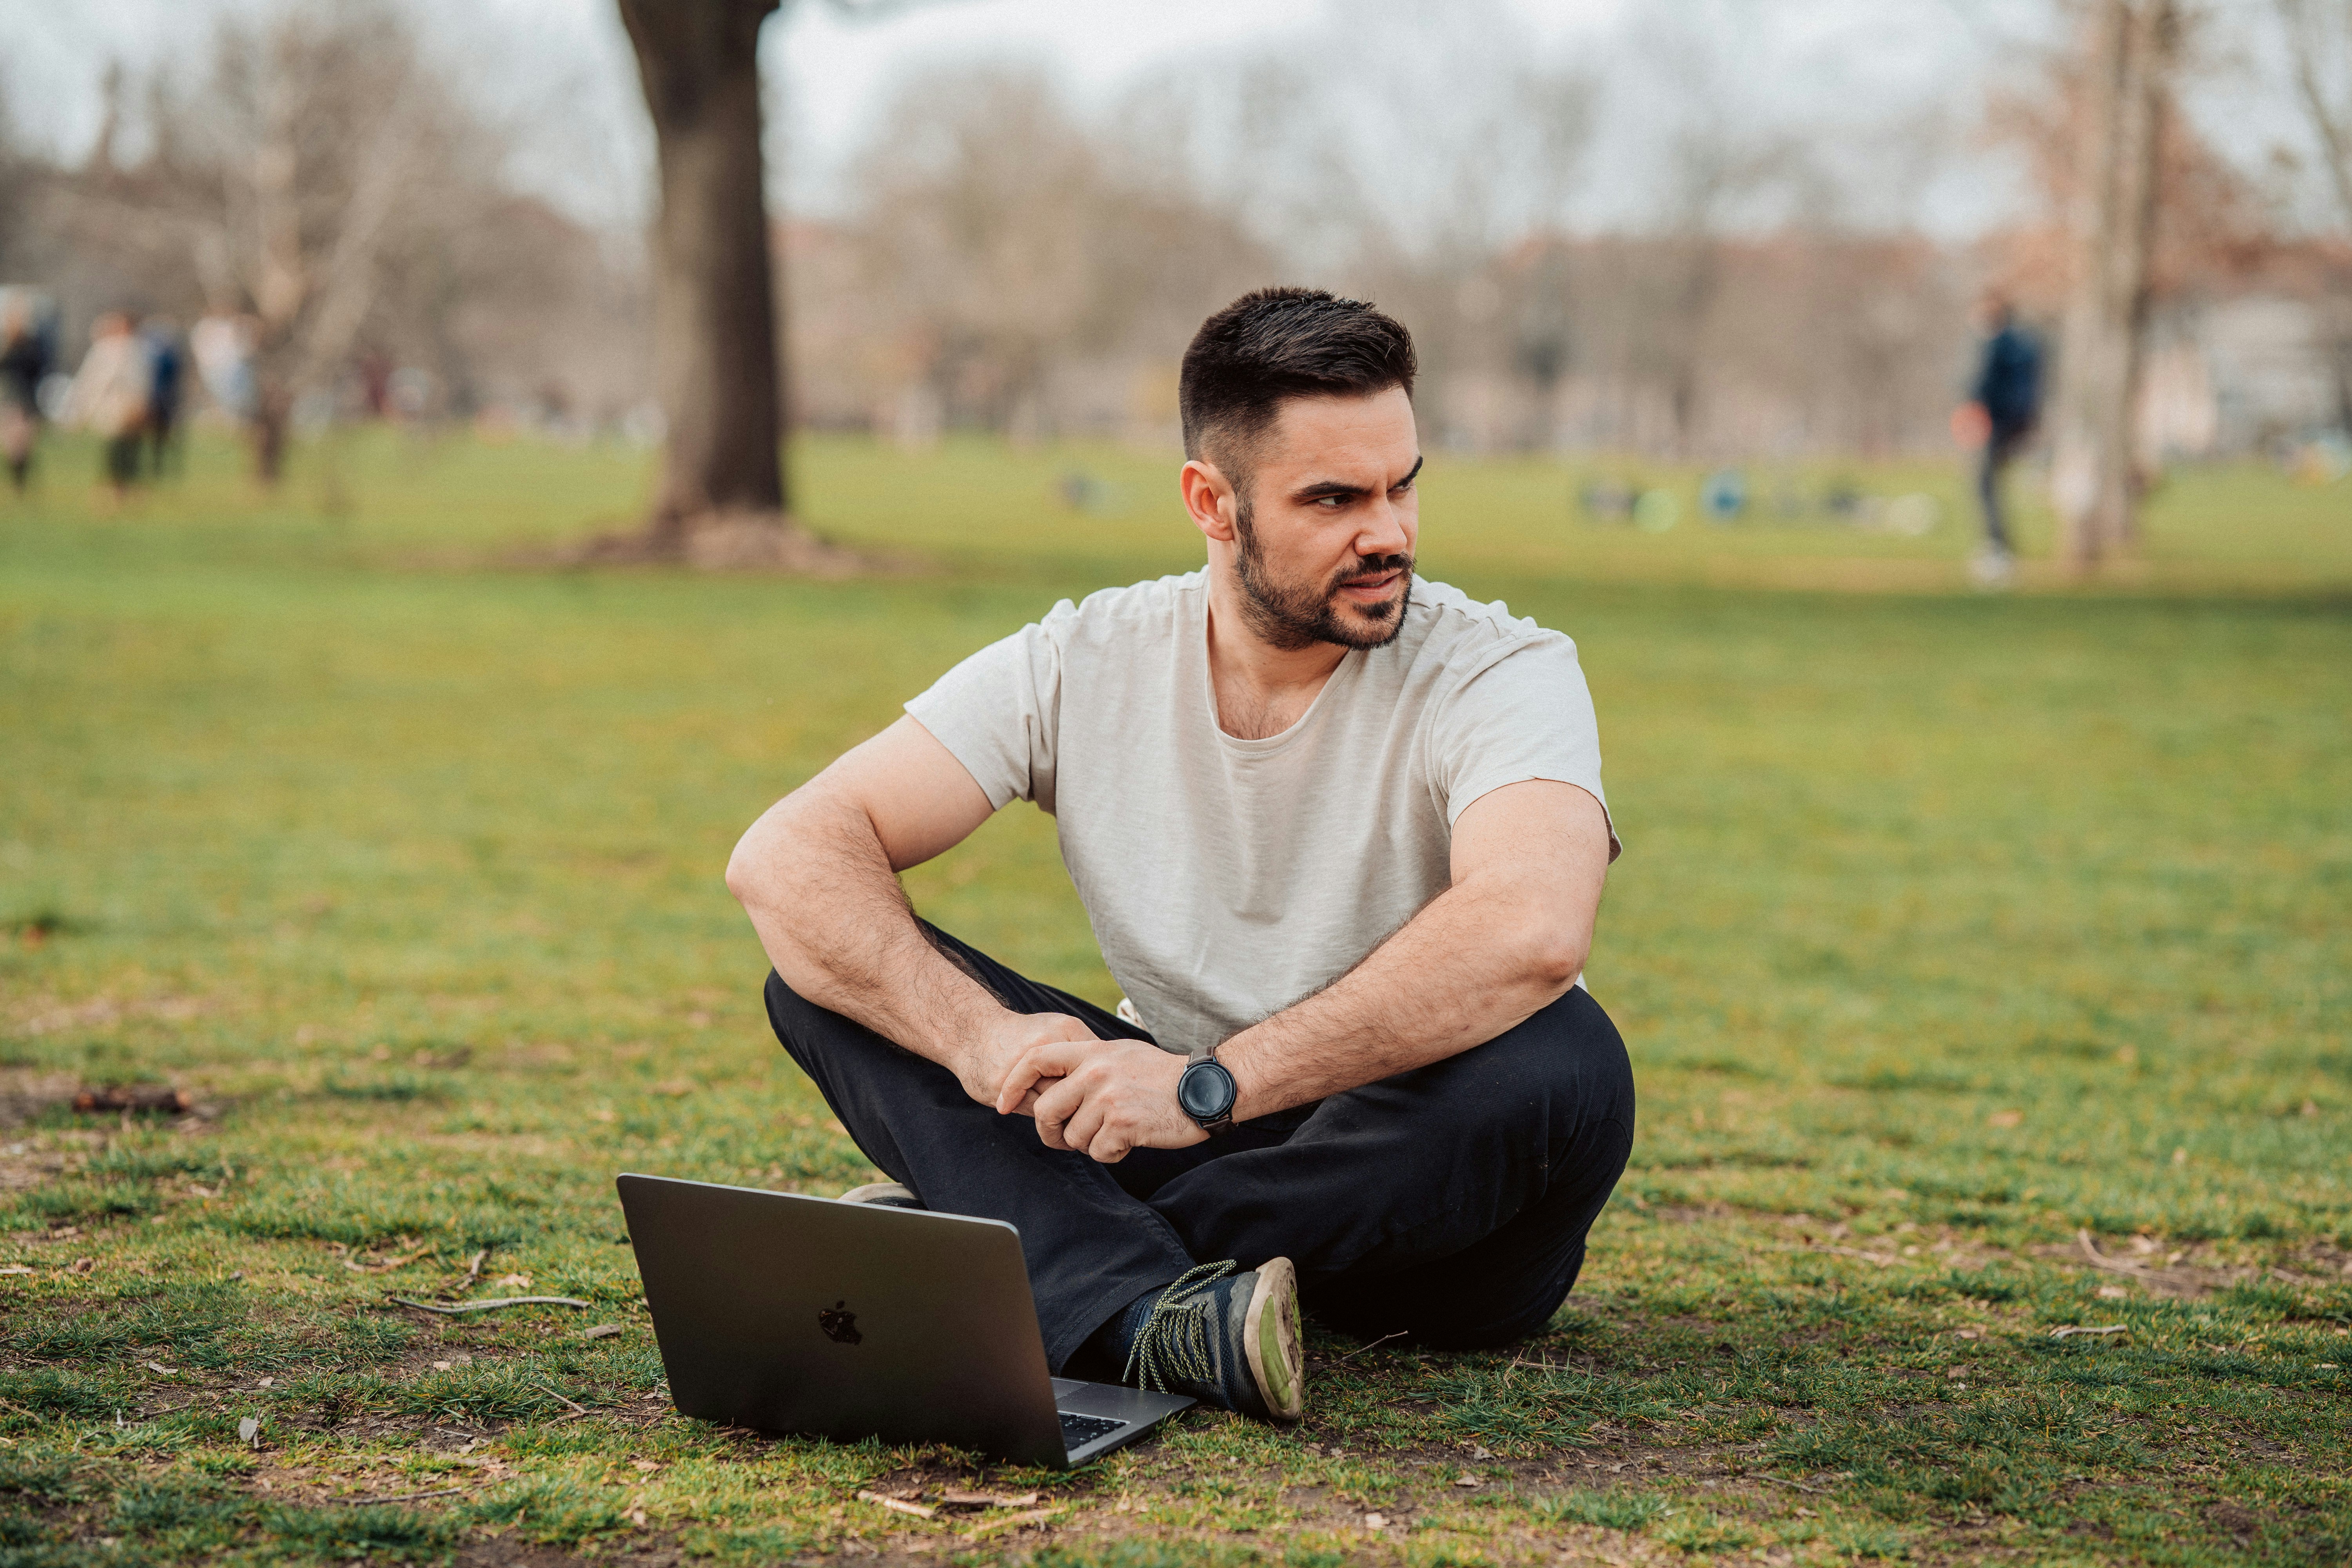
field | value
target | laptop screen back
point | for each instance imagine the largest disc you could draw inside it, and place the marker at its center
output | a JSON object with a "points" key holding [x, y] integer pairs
{"points": [[845, 1321]]}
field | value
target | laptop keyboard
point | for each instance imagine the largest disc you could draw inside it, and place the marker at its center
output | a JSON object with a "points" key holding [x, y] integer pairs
{"points": [[1078, 1431]]}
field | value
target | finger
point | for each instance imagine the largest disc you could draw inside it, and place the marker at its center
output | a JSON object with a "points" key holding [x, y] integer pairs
{"points": [[1109, 1146], [1084, 1125], [1050, 1061], [1058, 1100]]}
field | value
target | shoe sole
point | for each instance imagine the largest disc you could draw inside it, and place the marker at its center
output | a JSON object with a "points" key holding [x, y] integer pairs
{"points": [[882, 1195], [1270, 1341]]}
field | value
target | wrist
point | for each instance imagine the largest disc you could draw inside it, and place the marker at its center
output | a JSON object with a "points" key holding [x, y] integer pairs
{"points": [[1205, 1092], [1238, 1055]]}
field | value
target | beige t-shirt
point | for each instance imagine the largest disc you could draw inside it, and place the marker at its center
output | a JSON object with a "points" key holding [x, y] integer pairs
{"points": [[1226, 878]]}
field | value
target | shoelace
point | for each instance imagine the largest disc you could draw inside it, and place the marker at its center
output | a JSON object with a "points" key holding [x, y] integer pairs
{"points": [[1174, 1340]]}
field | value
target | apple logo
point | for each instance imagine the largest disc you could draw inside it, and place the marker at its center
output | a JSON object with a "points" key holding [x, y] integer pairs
{"points": [[839, 1326]]}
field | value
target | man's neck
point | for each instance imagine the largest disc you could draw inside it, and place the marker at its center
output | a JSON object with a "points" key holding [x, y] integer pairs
{"points": [[1261, 689]]}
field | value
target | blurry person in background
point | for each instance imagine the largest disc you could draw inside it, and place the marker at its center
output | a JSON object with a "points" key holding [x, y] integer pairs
{"points": [[2003, 406], [167, 364], [23, 361], [222, 345], [110, 396]]}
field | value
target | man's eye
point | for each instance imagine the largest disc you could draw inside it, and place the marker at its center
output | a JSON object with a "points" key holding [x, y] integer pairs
{"points": [[1331, 503]]}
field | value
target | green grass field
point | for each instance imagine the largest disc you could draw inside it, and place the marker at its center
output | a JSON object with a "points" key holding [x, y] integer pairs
{"points": [[1951, 930]]}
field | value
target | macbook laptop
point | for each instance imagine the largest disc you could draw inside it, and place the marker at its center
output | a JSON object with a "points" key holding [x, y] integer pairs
{"points": [[853, 1321]]}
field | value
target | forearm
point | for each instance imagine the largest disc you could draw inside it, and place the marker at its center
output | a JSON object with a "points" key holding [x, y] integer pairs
{"points": [[813, 877], [1473, 963]]}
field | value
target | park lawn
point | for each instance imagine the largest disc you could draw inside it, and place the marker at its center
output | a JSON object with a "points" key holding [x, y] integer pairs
{"points": [[1956, 937]]}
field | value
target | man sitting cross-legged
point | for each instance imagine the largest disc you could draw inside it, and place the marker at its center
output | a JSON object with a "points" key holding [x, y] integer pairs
{"points": [[1339, 832]]}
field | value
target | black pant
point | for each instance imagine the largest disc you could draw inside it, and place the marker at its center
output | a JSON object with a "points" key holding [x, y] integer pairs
{"points": [[1449, 1202], [2001, 445]]}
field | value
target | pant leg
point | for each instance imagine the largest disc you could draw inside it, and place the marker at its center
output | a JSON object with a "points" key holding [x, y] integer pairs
{"points": [[1450, 1203], [1998, 448], [1090, 1248]]}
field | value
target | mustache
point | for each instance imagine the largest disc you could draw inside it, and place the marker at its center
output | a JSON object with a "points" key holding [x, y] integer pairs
{"points": [[1367, 567]]}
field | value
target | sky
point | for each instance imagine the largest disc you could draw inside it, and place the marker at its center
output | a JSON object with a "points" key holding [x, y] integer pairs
{"points": [[560, 73]]}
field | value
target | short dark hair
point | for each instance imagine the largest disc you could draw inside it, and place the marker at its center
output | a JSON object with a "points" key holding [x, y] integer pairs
{"points": [[1277, 343]]}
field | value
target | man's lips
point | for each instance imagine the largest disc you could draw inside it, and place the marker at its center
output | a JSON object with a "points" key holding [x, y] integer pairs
{"points": [[1372, 588]]}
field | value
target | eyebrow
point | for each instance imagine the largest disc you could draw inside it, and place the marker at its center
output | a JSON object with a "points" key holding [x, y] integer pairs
{"points": [[1322, 487]]}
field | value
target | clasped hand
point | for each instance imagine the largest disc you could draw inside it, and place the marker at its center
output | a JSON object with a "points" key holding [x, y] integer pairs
{"points": [[1100, 1097]]}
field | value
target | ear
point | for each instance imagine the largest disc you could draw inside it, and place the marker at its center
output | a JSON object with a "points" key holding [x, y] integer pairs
{"points": [[1209, 498]]}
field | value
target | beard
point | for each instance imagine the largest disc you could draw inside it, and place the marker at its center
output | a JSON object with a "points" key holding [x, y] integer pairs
{"points": [[1292, 616]]}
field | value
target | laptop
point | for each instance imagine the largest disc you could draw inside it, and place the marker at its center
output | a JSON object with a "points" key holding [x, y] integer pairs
{"points": [[852, 1320]]}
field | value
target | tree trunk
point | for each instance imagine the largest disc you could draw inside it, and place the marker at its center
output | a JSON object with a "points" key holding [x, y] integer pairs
{"points": [[714, 302], [2093, 481]]}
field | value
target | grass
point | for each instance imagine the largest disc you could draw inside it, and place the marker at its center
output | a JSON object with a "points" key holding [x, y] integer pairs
{"points": [[1949, 928]]}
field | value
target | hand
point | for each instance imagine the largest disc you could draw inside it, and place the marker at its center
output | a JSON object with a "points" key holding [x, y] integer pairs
{"points": [[1102, 1098], [1971, 426], [988, 1061]]}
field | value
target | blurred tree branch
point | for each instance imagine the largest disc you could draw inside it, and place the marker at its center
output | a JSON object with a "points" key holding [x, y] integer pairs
{"points": [[2319, 38]]}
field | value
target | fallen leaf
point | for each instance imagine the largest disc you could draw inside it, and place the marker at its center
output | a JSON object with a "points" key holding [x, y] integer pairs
{"points": [[677, 1088], [2112, 1292], [15, 1269], [1966, 1334], [2005, 1119], [159, 1366], [1376, 1521], [1465, 1481], [647, 1466], [601, 1331], [82, 1266], [248, 1431], [987, 1500], [637, 1517], [604, 1116]]}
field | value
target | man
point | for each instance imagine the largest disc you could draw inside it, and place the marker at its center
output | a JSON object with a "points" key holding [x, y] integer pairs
{"points": [[1340, 833], [166, 366], [110, 396], [2004, 407], [23, 362]]}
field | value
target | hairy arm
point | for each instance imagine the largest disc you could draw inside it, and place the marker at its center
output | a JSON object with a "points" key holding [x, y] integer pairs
{"points": [[1507, 940], [818, 875], [1504, 941]]}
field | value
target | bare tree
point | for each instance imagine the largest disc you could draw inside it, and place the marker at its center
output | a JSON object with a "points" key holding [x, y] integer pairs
{"points": [[715, 305], [1012, 242], [2319, 38], [714, 295], [2093, 480]]}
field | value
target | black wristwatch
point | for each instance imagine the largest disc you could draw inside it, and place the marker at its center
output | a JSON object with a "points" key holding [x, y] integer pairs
{"points": [[1206, 1092]]}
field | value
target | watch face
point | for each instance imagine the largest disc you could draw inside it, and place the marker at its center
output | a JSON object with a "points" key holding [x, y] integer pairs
{"points": [[1205, 1091]]}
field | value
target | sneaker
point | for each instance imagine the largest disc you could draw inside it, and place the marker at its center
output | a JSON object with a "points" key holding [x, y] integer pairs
{"points": [[1226, 1339], [887, 1195], [1993, 568]]}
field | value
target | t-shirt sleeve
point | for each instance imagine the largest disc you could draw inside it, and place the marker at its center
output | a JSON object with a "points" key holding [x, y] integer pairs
{"points": [[999, 711], [1526, 715]]}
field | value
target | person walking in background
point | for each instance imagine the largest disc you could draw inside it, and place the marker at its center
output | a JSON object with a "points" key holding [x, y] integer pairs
{"points": [[110, 396], [166, 372], [2004, 404], [23, 361]]}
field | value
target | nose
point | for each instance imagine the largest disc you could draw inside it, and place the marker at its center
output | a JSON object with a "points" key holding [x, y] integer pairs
{"points": [[1384, 532]]}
